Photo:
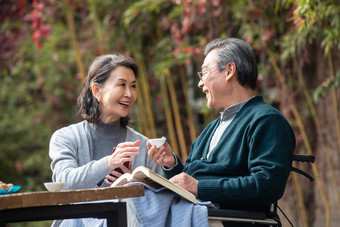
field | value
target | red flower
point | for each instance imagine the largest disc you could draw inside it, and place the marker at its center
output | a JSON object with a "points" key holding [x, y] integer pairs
{"points": [[256, 14]]}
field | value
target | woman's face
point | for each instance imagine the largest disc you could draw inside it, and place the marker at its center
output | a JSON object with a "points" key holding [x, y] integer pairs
{"points": [[117, 95]]}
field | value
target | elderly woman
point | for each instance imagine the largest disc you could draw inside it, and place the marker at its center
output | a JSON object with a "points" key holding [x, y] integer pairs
{"points": [[102, 146]]}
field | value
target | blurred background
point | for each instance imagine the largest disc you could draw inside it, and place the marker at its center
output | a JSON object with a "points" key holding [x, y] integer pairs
{"points": [[47, 45]]}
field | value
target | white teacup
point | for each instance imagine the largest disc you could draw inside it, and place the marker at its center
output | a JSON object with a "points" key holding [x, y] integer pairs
{"points": [[54, 186], [158, 142]]}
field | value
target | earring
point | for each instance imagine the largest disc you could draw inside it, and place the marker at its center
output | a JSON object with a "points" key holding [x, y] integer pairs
{"points": [[98, 100]]}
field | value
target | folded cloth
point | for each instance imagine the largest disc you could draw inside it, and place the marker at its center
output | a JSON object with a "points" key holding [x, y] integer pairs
{"points": [[162, 207]]}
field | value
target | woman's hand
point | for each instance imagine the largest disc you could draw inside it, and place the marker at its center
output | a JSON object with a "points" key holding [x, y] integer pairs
{"points": [[124, 152], [114, 175], [162, 156]]}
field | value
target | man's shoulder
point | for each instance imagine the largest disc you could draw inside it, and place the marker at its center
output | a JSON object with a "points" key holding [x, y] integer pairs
{"points": [[259, 107], [260, 113]]}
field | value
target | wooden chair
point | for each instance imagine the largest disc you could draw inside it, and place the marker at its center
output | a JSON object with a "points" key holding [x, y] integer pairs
{"points": [[269, 218]]}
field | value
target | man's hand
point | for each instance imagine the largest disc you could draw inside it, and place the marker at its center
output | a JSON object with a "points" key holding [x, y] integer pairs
{"points": [[162, 156], [186, 181]]}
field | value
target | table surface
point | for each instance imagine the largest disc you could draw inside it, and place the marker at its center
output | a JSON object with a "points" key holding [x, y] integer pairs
{"points": [[45, 198]]}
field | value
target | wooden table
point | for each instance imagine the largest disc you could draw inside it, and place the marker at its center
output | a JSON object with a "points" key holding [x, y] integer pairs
{"points": [[44, 205]]}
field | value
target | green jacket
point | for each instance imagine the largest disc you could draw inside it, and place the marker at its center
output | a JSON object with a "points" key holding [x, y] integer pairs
{"points": [[249, 166]]}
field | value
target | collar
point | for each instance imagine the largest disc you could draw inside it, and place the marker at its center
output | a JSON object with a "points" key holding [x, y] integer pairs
{"points": [[107, 129], [231, 111]]}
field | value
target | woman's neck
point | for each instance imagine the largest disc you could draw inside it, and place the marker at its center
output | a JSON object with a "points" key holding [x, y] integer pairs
{"points": [[107, 129]]}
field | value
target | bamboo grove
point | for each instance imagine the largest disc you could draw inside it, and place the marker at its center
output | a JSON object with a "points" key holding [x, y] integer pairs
{"points": [[47, 46]]}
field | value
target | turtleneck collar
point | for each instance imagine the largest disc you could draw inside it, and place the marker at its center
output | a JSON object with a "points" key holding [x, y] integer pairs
{"points": [[108, 130]]}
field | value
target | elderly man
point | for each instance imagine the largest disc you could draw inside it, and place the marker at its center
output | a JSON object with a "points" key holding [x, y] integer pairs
{"points": [[242, 159]]}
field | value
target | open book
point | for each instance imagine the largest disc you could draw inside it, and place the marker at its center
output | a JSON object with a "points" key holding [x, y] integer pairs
{"points": [[147, 176]]}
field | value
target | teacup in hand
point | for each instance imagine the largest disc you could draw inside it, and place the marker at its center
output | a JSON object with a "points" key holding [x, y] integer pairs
{"points": [[158, 142]]}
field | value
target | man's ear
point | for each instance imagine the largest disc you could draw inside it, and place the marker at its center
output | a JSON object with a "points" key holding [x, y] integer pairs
{"points": [[96, 91], [230, 70]]}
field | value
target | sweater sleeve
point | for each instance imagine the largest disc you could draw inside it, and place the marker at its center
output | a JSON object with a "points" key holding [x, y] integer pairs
{"points": [[177, 169], [64, 152], [270, 143]]}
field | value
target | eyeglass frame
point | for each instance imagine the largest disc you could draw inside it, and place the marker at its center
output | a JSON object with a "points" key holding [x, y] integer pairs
{"points": [[201, 73]]}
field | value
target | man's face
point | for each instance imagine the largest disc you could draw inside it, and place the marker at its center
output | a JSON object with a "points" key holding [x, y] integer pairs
{"points": [[213, 82]]}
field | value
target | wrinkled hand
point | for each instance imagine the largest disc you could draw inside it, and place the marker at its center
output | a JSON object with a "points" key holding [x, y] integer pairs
{"points": [[114, 175], [162, 156], [124, 152], [185, 181]]}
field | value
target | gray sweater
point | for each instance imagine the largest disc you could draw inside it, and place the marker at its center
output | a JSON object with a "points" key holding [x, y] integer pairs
{"points": [[79, 160]]}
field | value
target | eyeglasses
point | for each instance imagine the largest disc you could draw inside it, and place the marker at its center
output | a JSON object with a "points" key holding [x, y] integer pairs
{"points": [[201, 74]]}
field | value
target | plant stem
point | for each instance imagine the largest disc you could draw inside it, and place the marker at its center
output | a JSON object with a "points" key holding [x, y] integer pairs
{"points": [[320, 133], [71, 25], [177, 117], [301, 205], [278, 76], [189, 109], [335, 99], [170, 124], [145, 90]]}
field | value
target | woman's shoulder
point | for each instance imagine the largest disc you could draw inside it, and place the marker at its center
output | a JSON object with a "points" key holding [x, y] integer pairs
{"points": [[72, 129]]}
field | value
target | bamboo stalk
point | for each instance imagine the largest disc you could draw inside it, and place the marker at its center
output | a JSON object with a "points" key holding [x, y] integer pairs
{"points": [[97, 26], [145, 90], [71, 25], [278, 76], [189, 109], [280, 81], [320, 133], [314, 166], [334, 97], [144, 129], [179, 129], [169, 121], [301, 205]]}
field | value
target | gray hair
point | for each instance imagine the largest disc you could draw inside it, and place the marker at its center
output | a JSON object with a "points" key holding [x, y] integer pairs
{"points": [[237, 51]]}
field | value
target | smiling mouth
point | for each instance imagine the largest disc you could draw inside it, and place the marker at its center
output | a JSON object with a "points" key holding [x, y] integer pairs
{"points": [[205, 92], [124, 103]]}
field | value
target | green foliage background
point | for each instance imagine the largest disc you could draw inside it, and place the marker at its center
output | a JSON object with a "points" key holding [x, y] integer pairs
{"points": [[40, 79]]}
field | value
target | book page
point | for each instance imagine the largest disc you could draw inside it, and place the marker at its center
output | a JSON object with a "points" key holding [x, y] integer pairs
{"points": [[140, 174], [145, 175], [141, 177], [124, 179]]}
